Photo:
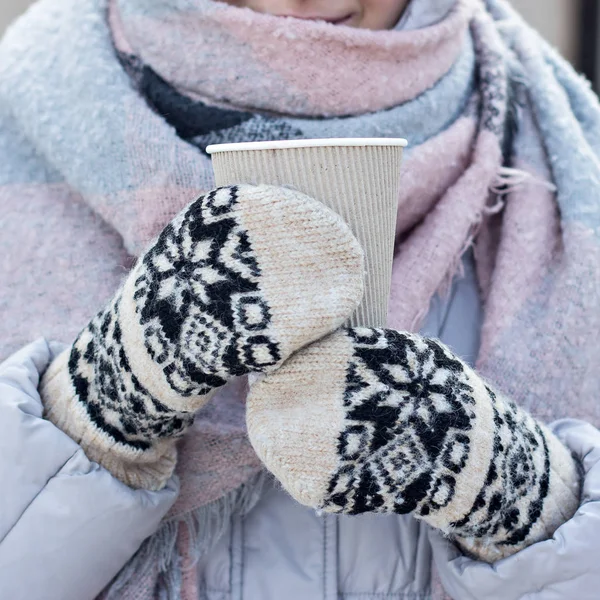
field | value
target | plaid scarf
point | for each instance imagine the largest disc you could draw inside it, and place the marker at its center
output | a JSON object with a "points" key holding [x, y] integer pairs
{"points": [[503, 158]]}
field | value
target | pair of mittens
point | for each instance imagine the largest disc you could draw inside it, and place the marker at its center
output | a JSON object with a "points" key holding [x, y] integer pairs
{"points": [[373, 420], [237, 282]]}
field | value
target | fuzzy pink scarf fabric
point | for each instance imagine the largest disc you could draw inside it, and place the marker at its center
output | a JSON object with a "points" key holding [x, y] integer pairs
{"points": [[504, 157], [538, 275], [379, 70]]}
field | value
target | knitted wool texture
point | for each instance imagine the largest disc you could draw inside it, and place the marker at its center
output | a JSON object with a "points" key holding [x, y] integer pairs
{"points": [[237, 282], [374, 420]]}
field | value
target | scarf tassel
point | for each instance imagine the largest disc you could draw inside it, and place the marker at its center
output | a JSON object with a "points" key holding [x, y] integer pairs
{"points": [[205, 525]]}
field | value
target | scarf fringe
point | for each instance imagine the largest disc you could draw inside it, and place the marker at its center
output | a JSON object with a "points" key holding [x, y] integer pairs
{"points": [[206, 525], [159, 549], [508, 180]]}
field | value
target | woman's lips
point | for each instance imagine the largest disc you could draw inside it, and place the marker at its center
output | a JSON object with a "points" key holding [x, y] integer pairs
{"points": [[333, 20], [343, 20]]}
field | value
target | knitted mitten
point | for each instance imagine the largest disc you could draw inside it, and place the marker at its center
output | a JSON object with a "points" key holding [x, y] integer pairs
{"points": [[371, 420], [238, 281]]}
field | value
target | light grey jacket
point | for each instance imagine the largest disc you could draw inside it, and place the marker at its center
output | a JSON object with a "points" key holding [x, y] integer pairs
{"points": [[67, 526]]}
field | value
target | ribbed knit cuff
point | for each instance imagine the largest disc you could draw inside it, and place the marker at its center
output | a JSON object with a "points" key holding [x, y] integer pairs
{"points": [[142, 467]]}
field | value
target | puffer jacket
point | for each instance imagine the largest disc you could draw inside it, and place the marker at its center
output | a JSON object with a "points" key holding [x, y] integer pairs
{"points": [[67, 526]]}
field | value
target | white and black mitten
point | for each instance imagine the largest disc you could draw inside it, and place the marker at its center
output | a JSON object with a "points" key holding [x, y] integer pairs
{"points": [[238, 281], [373, 420]]}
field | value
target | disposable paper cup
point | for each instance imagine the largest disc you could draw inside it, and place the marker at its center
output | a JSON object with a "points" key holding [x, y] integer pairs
{"points": [[357, 178]]}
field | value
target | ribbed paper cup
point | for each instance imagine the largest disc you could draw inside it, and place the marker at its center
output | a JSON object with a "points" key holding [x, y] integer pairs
{"points": [[357, 178]]}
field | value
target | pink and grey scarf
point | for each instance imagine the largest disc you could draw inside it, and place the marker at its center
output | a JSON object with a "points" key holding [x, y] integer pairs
{"points": [[504, 157]]}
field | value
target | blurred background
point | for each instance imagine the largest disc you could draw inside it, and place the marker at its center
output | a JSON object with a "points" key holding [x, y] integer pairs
{"points": [[573, 26]]}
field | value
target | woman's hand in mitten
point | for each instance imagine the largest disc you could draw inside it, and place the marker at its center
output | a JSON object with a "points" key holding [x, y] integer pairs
{"points": [[371, 420], [238, 281]]}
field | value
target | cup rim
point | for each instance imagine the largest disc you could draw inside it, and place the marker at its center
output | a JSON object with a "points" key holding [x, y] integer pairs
{"points": [[317, 143]]}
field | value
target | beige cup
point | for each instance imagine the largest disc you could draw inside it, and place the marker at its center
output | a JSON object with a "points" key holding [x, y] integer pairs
{"points": [[357, 178]]}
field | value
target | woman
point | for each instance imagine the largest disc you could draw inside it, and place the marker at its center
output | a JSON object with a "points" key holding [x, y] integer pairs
{"points": [[106, 112]]}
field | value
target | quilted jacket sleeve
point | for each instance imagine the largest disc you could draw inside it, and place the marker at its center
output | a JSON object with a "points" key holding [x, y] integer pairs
{"points": [[562, 568], [66, 525]]}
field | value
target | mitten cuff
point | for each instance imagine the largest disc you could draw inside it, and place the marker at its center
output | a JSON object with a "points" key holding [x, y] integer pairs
{"points": [[141, 465], [546, 507]]}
